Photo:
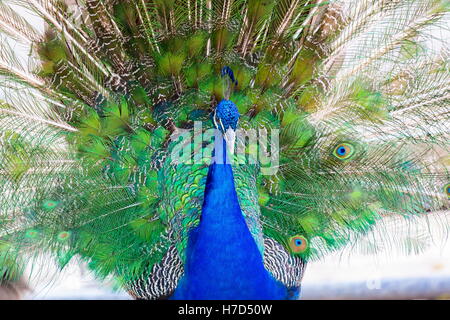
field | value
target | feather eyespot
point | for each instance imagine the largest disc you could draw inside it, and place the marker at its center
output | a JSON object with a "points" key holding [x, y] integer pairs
{"points": [[343, 151], [31, 234], [63, 236], [447, 190], [298, 244], [50, 204]]}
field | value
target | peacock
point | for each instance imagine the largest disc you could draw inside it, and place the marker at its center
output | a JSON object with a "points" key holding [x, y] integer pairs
{"points": [[209, 149]]}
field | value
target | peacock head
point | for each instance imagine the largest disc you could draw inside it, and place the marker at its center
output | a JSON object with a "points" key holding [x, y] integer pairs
{"points": [[226, 118], [226, 115]]}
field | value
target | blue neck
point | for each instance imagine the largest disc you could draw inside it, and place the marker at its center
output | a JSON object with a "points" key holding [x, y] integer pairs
{"points": [[222, 259]]}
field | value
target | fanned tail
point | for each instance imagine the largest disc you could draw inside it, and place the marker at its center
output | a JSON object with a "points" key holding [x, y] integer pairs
{"points": [[358, 92]]}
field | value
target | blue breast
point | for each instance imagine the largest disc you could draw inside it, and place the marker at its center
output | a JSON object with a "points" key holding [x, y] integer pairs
{"points": [[223, 261]]}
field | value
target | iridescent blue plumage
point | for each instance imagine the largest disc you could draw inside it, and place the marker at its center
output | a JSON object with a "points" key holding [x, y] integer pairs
{"points": [[228, 114], [223, 260]]}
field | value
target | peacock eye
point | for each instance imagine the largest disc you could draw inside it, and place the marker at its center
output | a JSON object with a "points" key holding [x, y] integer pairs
{"points": [[343, 151], [447, 190], [298, 244]]}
